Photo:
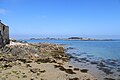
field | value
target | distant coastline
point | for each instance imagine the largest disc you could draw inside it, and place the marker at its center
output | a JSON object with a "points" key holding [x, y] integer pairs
{"points": [[73, 38]]}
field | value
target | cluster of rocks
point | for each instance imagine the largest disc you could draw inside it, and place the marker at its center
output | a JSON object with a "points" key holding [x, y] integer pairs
{"points": [[71, 70], [26, 52]]}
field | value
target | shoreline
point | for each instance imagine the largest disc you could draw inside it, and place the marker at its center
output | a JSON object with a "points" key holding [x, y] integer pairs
{"points": [[102, 70], [98, 74], [43, 61]]}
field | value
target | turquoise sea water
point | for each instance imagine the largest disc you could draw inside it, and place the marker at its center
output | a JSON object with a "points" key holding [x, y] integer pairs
{"points": [[98, 49]]}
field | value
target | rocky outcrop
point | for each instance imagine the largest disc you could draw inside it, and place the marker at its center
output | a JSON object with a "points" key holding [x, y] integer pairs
{"points": [[41, 52]]}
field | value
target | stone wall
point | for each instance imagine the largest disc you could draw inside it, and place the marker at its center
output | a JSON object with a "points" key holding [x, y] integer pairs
{"points": [[4, 34]]}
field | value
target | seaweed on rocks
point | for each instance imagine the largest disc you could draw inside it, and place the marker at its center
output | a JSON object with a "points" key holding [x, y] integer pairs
{"points": [[105, 70], [69, 71], [109, 79], [76, 69], [37, 70], [84, 70], [74, 78], [94, 62]]}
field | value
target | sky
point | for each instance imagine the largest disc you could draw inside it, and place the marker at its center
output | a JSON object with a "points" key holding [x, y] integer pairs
{"points": [[61, 18]]}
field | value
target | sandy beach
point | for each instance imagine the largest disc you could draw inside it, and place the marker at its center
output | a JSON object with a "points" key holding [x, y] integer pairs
{"points": [[43, 71]]}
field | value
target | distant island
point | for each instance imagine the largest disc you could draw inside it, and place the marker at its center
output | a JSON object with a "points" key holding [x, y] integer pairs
{"points": [[73, 38]]}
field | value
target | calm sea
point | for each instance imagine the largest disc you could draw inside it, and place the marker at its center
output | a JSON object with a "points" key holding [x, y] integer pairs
{"points": [[96, 49]]}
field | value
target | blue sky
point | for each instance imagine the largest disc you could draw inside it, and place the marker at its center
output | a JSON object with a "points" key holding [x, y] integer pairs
{"points": [[51, 18]]}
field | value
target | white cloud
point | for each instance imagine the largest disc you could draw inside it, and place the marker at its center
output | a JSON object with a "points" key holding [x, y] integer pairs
{"points": [[2, 11]]}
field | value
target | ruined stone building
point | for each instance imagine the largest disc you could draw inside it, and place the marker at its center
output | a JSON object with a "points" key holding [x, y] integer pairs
{"points": [[4, 34]]}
